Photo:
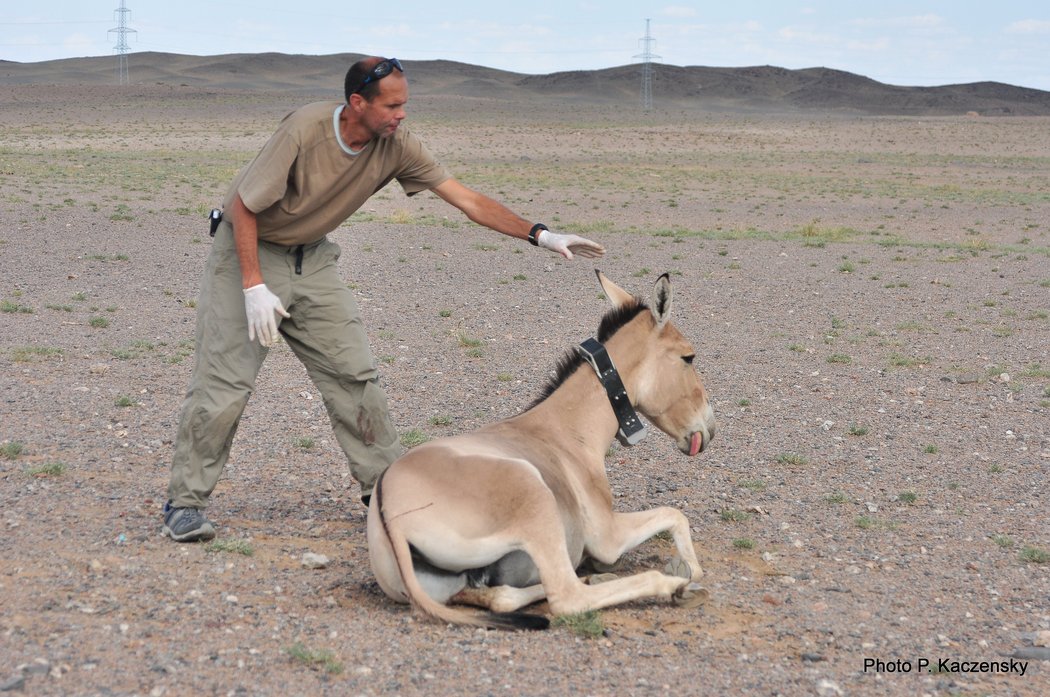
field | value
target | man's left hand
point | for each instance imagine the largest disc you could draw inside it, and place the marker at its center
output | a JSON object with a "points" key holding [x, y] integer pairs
{"points": [[569, 245]]}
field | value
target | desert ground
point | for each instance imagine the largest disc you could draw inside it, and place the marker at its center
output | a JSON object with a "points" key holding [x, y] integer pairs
{"points": [[870, 302]]}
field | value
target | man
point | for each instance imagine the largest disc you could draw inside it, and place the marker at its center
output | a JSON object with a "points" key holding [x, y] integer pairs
{"points": [[273, 271]]}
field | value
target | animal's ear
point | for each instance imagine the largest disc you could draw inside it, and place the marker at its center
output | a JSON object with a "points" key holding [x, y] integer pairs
{"points": [[617, 295], [662, 300]]}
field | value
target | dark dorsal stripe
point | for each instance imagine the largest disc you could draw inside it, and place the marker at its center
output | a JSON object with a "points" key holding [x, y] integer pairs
{"points": [[612, 322]]}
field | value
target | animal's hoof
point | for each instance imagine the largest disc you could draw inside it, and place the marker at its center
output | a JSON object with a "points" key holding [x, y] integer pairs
{"points": [[678, 567], [691, 595], [595, 579]]}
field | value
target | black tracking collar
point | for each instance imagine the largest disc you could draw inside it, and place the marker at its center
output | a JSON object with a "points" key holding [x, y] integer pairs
{"points": [[631, 430]]}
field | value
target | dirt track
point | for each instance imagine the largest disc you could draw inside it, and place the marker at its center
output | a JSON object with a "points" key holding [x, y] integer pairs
{"points": [[869, 298]]}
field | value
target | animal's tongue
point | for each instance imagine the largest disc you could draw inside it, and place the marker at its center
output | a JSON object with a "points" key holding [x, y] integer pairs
{"points": [[694, 443]]}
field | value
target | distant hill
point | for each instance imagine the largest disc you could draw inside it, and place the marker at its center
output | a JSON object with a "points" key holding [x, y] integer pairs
{"points": [[751, 89]]}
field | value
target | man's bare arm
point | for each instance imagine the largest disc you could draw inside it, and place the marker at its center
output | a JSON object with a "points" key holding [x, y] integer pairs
{"points": [[246, 241]]}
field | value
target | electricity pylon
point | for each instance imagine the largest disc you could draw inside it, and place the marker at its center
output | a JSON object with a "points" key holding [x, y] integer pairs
{"points": [[122, 47]]}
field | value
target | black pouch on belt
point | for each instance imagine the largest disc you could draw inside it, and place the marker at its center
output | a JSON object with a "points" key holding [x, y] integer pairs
{"points": [[215, 217]]}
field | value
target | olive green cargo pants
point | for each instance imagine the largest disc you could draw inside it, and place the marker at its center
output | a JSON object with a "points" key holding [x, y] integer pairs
{"points": [[325, 332]]}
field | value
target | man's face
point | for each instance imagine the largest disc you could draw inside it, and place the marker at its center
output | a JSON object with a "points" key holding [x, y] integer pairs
{"points": [[386, 111]]}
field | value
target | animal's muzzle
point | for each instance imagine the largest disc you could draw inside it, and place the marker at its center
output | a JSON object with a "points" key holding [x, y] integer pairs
{"points": [[699, 439]]}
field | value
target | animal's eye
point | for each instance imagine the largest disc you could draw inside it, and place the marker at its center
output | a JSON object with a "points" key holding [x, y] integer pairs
{"points": [[689, 359]]}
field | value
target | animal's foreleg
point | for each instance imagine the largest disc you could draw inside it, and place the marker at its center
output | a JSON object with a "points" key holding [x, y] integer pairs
{"points": [[568, 595], [578, 597], [626, 531]]}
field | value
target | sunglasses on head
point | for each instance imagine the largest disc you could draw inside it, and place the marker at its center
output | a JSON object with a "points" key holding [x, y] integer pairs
{"points": [[381, 70]]}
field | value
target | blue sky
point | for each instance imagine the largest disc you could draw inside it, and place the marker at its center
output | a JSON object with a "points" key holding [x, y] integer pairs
{"points": [[916, 42]]}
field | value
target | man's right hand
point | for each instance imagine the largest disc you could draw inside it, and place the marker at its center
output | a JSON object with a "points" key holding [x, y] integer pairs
{"points": [[261, 306], [569, 245]]}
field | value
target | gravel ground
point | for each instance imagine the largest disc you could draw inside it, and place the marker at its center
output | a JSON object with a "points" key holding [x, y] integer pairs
{"points": [[869, 299]]}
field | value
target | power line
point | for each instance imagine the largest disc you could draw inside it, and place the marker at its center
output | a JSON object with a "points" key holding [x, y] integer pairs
{"points": [[68, 21], [122, 43]]}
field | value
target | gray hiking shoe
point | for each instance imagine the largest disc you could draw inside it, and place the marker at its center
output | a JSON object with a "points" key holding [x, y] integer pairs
{"points": [[186, 524]]}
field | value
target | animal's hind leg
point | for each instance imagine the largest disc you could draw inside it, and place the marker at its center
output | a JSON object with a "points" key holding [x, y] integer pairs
{"points": [[501, 598], [439, 585]]}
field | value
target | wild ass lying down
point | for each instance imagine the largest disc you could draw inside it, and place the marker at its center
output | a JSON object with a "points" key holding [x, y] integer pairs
{"points": [[503, 516]]}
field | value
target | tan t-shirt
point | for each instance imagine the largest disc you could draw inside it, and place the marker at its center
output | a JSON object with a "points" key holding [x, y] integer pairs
{"points": [[303, 183]]}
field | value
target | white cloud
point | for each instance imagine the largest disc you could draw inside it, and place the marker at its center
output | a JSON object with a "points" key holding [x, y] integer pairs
{"points": [[804, 36], [870, 45], [1029, 26], [391, 31], [678, 11], [926, 21]]}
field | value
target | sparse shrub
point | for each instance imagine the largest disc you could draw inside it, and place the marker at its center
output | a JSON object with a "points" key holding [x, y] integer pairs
{"points": [[467, 341], [585, 624], [865, 522], [731, 515], [11, 450], [25, 354], [1003, 541], [1034, 555], [314, 658], [50, 469], [231, 546], [10, 307], [411, 439], [123, 213]]}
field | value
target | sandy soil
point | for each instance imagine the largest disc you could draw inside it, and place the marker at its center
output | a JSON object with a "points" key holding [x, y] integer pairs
{"points": [[869, 298]]}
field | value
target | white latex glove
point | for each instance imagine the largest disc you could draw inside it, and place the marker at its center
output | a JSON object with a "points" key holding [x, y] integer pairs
{"points": [[261, 306], [569, 245]]}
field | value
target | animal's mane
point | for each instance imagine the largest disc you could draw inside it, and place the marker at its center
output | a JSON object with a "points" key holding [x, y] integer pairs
{"points": [[612, 322]]}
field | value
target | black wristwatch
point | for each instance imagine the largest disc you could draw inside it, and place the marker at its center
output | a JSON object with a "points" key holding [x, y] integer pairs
{"points": [[535, 232]]}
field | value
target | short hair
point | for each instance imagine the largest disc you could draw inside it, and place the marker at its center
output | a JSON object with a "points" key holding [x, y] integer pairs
{"points": [[357, 74]]}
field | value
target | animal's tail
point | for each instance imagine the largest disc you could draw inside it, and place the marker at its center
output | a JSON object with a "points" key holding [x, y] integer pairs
{"points": [[440, 611]]}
